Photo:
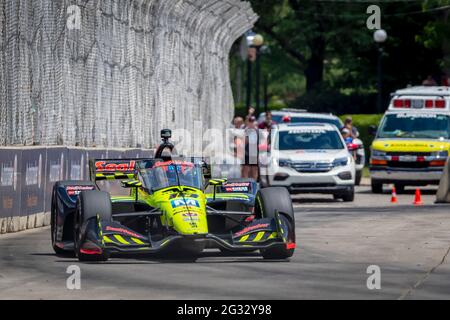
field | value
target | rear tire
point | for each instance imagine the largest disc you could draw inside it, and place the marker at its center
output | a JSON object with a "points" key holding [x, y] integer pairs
{"points": [[268, 201], [89, 205], [376, 187]]}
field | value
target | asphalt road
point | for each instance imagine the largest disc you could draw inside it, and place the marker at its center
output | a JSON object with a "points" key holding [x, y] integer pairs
{"points": [[337, 242]]}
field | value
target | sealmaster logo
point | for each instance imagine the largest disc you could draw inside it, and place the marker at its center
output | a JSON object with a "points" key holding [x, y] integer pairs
{"points": [[123, 231], [103, 166], [75, 190], [251, 228]]}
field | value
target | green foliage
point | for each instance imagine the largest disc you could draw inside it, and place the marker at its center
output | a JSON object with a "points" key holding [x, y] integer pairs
{"points": [[322, 50], [436, 33]]}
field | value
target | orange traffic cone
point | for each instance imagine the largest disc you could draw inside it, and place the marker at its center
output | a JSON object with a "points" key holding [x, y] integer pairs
{"points": [[394, 196], [418, 198]]}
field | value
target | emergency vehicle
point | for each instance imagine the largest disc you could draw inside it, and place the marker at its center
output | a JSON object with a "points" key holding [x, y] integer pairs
{"points": [[411, 145]]}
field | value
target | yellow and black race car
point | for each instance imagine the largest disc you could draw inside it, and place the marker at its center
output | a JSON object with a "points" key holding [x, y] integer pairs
{"points": [[169, 208]]}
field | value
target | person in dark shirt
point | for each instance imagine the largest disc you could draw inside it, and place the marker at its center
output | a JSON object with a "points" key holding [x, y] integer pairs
{"points": [[268, 122]]}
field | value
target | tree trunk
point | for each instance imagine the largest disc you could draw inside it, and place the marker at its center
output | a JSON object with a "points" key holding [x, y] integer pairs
{"points": [[315, 64]]}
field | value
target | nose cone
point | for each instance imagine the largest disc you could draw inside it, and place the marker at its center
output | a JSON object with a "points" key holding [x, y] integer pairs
{"points": [[189, 215]]}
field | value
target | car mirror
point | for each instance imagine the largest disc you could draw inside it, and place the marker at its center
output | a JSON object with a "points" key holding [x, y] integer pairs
{"points": [[217, 182], [372, 130], [131, 184]]}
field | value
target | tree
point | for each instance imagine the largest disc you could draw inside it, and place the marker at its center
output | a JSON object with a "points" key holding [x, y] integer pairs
{"points": [[436, 32], [324, 47]]}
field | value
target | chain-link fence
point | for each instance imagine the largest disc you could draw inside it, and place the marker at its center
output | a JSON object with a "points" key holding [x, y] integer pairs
{"points": [[114, 72]]}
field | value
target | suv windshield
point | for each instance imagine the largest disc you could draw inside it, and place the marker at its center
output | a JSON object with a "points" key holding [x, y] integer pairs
{"points": [[415, 125], [309, 139], [158, 174]]}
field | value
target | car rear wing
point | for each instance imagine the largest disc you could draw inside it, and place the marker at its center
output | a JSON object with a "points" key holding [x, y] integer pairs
{"points": [[113, 169], [126, 169]]}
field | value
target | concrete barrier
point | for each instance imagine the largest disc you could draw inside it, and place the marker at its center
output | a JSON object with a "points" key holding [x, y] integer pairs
{"points": [[27, 176], [443, 193]]}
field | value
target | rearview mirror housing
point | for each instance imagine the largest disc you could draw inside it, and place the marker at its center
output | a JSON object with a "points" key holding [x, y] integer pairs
{"points": [[131, 184]]}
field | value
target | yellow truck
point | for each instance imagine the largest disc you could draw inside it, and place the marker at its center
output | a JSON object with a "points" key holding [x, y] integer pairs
{"points": [[412, 142]]}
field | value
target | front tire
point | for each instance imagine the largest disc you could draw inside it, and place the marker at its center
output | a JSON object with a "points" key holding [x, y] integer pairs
{"points": [[268, 202], [376, 187], [349, 196], [53, 227], [89, 205]]}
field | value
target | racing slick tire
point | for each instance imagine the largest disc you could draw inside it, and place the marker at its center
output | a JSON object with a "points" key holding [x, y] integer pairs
{"points": [[376, 187], [268, 201], [89, 205], [55, 209], [53, 213]]}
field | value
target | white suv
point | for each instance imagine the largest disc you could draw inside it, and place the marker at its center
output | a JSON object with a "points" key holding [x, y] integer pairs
{"points": [[310, 158], [303, 116]]}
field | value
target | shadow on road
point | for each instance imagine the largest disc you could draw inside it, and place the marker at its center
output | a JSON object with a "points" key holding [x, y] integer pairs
{"points": [[218, 257], [412, 192], [314, 200]]}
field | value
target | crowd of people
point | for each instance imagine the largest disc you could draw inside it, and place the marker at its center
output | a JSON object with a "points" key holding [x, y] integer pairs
{"points": [[246, 141], [442, 80], [247, 144]]}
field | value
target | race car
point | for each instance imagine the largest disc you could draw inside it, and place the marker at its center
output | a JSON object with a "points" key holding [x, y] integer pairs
{"points": [[170, 208]]}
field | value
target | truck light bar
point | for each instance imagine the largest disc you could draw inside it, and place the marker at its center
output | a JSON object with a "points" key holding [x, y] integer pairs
{"points": [[401, 103], [418, 104]]}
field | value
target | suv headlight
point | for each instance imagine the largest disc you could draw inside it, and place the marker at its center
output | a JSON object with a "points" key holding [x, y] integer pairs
{"points": [[341, 162], [284, 163], [377, 153]]}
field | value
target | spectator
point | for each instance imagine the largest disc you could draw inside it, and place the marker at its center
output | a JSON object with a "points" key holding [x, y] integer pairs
{"points": [[238, 122], [250, 167], [445, 80], [346, 134], [237, 134], [251, 112], [268, 122], [429, 81], [348, 124]]}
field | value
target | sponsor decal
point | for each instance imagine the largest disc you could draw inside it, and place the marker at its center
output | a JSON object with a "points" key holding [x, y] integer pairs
{"points": [[123, 231], [236, 189], [306, 130], [181, 166], [184, 202], [189, 217], [32, 201], [6, 176], [251, 228], [31, 175], [238, 184], [8, 203], [416, 115], [103, 166], [75, 190]]}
